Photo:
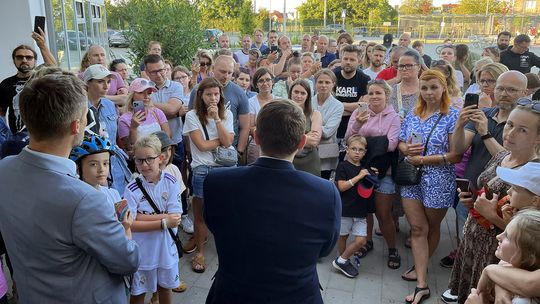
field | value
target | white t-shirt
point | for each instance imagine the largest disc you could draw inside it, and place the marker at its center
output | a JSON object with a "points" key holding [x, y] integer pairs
{"points": [[372, 74], [242, 58], [173, 170], [156, 248], [459, 77], [192, 123], [254, 105]]}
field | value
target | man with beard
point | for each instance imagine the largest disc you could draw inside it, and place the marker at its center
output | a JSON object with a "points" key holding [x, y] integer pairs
{"points": [[24, 58], [351, 84], [389, 74], [518, 57], [376, 62], [503, 40]]}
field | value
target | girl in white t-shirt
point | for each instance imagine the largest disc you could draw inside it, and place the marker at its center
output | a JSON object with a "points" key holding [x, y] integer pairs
{"points": [[158, 268], [209, 125]]}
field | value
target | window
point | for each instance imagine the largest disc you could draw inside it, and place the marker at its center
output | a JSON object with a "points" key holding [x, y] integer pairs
{"points": [[530, 5], [80, 10], [96, 11]]}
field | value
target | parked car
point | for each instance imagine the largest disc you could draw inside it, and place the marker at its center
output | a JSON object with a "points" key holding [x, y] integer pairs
{"points": [[83, 40], [118, 39]]}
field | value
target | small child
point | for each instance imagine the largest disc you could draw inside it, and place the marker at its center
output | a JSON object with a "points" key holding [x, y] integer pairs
{"points": [[93, 159], [355, 198], [158, 269]]}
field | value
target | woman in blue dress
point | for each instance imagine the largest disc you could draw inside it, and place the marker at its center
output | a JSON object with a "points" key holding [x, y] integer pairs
{"points": [[425, 204]]}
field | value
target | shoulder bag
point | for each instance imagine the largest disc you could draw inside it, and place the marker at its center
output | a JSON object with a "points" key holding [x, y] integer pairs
{"points": [[226, 157], [175, 237], [408, 174]]}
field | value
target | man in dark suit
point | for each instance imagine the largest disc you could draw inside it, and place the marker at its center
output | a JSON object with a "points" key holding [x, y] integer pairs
{"points": [[270, 222]]}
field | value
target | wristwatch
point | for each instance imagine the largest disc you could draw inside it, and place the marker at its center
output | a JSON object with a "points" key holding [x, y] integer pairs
{"points": [[486, 136]]}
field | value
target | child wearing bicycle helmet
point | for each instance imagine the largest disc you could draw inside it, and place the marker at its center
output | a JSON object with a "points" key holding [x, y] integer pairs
{"points": [[93, 159]]}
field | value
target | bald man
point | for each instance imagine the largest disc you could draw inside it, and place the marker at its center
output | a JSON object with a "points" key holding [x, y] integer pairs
{"points": [[482, 129]]}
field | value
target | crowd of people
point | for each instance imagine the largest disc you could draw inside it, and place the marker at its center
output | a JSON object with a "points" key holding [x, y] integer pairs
{"points": [[288, 152]]}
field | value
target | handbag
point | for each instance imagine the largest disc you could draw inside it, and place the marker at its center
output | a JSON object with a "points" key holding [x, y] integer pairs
{"points": [[174, 236], [226, 157], [328, 150], [406, 173]]}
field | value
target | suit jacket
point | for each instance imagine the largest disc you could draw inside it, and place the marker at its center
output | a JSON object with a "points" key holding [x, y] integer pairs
{"points": [[61, 234], [271, 224]]}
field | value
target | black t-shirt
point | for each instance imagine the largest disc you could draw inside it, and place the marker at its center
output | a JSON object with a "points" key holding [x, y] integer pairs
{"points": [[427, 60], [519, 62], [349, 90], [353, 204], [9, 87]]}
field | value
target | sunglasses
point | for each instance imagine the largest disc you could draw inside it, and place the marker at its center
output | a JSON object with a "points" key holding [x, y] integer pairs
{"points": [[21, 57], [526, 102], [145, 82], [205, 64]]}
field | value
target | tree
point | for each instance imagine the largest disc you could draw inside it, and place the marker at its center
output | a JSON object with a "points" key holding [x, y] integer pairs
{"points": [[479, 7], [221, 14], [115, 15], [174, 23], [357, 11], [416, 7], [262, 19], [246, 19]]}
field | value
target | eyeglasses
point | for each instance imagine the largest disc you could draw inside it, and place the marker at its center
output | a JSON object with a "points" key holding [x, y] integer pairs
{"points": [[160, 71], [487, 81], [263, 81], [406, 66], [21, 57], [357, 150], [509, 91], [181, 77], [205, 64], [526, 102], [148, 160]]}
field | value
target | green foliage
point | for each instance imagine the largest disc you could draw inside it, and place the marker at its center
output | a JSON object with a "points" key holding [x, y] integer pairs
{"points": [[222, 14], [416, 7], [478, 7], [246, 19], [174, 23], [115, 16], [262, 19], [357, 11]]}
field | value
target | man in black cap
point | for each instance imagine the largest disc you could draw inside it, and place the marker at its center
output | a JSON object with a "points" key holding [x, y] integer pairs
{"points": [[387, 42]]}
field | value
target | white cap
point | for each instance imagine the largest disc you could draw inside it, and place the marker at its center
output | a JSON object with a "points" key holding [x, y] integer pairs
{"points": [[528, 176], [96, 71]]}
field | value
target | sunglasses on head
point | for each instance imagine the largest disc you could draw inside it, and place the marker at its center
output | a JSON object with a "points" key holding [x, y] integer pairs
{"points": [[119, 60], [528, 103]]}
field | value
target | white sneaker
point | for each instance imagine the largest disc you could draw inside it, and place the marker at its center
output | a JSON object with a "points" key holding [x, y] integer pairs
{"points": [[448, 297], [187, 224]]}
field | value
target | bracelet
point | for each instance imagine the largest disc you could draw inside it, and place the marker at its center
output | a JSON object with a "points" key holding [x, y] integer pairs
{"points": [[163, 223], [444, 159], [351, 183], [486, 136]]}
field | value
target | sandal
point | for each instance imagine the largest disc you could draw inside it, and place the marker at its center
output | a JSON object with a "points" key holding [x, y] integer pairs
{"points": [[197, 264], [406, 278], [394, 259], [181, 288], [424, 296], [364, 250]]}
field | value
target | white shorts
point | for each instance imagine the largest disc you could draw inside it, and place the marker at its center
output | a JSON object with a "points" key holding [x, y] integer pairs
{"points": [[353, 225], [145, 281]]}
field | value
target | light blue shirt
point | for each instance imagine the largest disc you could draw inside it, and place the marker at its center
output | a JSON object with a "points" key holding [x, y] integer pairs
{"points": [[64, 165], [171, 89]]}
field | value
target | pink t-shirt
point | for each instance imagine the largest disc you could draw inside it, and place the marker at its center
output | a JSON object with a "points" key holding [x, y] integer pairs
{"points": [[150, 124]]}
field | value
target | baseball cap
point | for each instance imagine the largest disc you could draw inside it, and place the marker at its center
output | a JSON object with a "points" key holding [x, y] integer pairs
{"points": [[528, 176], [95, 71], [140, 85], [388, 38], [367, 185], [164, 139]]}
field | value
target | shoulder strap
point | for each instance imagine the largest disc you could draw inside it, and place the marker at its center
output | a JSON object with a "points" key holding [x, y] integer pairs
{"points": [[431, 132], [205, 131], [156, 209], [399, 97]]}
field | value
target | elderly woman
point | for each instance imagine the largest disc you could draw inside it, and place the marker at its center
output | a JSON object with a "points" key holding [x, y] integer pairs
{"points": [[380, 120], [431, 124], [308, 159], [331, 110]]}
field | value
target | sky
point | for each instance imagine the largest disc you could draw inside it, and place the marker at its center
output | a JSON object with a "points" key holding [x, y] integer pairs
{"points": [[292, 4]]}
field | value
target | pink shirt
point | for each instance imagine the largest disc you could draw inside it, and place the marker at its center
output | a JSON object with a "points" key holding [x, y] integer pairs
{"points": [[124, 123], [385, 123]]}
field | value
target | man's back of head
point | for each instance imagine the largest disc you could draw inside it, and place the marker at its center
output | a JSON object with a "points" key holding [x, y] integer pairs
{"points": [[280, 128], [49, 104]]}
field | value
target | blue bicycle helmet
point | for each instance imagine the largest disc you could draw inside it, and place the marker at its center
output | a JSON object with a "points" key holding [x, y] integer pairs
{"points": [[91, 145]]}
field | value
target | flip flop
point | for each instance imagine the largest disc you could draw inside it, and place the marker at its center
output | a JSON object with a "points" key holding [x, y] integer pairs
{"points": [[422, 298], [404, 276]]}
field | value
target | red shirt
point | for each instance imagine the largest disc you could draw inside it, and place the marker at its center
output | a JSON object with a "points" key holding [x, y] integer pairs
{"points": [[387, 74]]}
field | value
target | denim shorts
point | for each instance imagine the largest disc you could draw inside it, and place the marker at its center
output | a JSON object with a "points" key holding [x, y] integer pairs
{"points": [[199, 174], [386, 185]]}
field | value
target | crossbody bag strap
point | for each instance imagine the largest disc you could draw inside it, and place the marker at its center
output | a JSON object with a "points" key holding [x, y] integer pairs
{"points": [[156, 209], [205, 131], [399, 97], [431, 132]]}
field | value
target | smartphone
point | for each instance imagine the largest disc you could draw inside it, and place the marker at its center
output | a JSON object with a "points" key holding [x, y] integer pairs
{"points": [[195, 61], [39, 21], [463, 184], [362, 107], [471, 99], [121, 209], [138, 105], [317, 57], [416, 138], [273, 48]]}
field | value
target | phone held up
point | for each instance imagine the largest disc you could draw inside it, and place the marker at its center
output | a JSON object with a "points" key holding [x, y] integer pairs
{"points": [[416, 138], [138, 105], [39, 21], [362, 107], [471, 99]]}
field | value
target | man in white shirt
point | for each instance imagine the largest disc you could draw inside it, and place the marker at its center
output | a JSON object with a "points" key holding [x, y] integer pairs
{"points": [[243, 54], [376, 62]]}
